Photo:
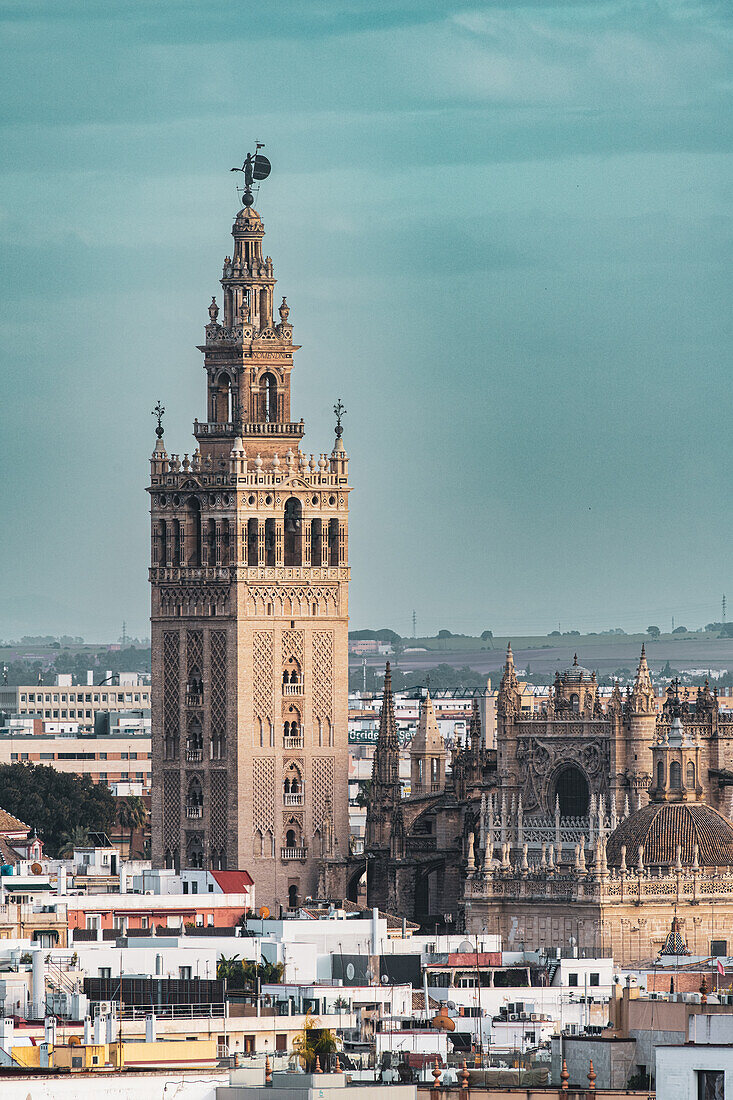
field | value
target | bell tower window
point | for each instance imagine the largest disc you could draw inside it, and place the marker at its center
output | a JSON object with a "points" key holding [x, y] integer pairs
{"points": [[222, 400], [293, 553], [252, 541], [269, 398]]}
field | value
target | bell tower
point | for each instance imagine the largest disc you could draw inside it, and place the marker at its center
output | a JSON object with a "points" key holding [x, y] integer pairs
{"points": [[249, 610]]}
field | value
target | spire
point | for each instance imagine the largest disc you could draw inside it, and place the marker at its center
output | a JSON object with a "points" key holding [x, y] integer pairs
{"points": [[427, 752], [428, 737], [387, 726], [642, 696], [507, 701]]}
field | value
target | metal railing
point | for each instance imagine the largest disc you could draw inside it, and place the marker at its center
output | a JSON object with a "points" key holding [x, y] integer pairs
{"points": [[293, 799], [194, 756], [194, 811]]}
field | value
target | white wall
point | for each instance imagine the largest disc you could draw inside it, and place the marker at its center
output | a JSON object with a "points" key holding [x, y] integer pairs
{"points": [[676, 1067], [145, 1086]]}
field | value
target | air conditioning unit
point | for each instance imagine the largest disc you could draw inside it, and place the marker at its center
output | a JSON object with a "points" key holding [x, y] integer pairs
{"points": [[523, 1016], [104, 1008], [513, 1015], [534, 1016]]}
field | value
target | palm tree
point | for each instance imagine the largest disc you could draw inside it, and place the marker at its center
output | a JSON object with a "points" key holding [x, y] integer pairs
{"points": [[78, 837], [132, 814], [228, 968]]}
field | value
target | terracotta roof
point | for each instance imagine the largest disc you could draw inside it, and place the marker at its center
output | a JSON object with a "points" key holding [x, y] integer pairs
{"points": [[418, 1002], [661, 826], [233, 882], [10, 824], [8, 855]]}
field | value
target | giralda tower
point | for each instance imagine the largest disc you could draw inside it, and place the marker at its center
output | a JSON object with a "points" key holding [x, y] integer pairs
{"points": [[249, 611]]}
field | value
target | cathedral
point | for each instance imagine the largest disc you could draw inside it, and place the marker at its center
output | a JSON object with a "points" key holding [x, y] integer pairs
{"points": [[559, 783], [249, 582]]}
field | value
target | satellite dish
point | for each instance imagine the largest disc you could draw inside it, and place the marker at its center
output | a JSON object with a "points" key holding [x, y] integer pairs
{"points": [[385, 979], [451, 1005], [261, 167], [264, 912], [443, 1022], [350, 971], [464, 946], [36, 869]]}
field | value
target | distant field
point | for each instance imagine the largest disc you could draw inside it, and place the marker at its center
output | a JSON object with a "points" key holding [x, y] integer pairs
{"points": [[602, 653]]}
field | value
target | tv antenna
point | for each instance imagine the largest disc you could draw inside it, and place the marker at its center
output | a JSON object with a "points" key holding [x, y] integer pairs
{"points": [[256, 168]]}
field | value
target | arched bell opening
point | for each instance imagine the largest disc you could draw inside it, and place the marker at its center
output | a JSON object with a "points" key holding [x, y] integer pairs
{"points": [[193, 525], [293, 541], [268, 386], [253, 532]]}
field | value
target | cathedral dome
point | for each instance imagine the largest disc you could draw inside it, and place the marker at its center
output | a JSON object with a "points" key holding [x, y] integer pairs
{"points": [[661, 826]]}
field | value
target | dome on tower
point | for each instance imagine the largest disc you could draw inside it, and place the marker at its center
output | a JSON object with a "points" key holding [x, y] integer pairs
{"points": [[248, 216], [576, 674], [660, 827]]}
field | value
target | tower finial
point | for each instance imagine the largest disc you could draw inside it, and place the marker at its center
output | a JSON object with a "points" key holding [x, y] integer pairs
{"points": [[159, 411], [340, 411], [256, 167]]}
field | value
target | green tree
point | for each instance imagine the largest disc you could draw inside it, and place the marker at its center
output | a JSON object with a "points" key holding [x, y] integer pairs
{"points": [[55, 803], [77, 838], [653, 631], [132, 814]]}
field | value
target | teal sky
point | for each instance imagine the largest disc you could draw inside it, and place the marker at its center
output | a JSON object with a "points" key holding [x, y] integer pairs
{"points": [[504, 231]]}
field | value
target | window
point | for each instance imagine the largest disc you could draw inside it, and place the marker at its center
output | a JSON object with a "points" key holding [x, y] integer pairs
{"points": [[719, 948], [595, 979], [675, 775], [710, 1084], [572, 979], [143, 922]]}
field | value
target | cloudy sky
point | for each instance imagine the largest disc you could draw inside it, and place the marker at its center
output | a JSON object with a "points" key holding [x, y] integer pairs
{"points": [[505, 235]]}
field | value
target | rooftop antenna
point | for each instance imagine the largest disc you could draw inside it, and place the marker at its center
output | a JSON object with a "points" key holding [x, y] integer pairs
{"points": [[256, 168]]}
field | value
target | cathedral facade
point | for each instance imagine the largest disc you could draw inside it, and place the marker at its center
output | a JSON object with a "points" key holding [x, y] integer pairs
{"points": [[558, 780], [249, 610]]}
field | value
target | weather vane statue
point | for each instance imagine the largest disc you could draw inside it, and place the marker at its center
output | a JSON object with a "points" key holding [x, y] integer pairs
{"points": [[158, 411], [256, 167], [340, 411]]}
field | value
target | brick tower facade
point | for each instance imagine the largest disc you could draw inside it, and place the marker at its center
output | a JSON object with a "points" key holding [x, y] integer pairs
{"points": [[249, 611]]}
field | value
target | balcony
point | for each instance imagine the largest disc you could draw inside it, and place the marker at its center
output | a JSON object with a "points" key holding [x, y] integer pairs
{"points": [[294, 853], [292, 689], [194, 756], [201, 428], [293, 799], [194, 699], [293, 742], [194, 811]]}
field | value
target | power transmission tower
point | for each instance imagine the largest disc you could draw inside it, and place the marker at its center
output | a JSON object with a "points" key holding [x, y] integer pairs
{"points": [[723, 607], [414, 622]]}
